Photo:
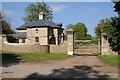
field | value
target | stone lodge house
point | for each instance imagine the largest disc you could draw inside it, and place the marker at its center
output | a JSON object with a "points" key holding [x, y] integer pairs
{"points": [[41, 32]]}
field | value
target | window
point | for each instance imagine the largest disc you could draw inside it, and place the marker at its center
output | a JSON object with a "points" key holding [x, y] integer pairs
{"points": [[36, 30], [23, 40], [37, 39]]}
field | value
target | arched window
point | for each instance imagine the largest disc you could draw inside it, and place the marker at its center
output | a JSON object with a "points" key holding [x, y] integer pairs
{"points": [[36, 30]]}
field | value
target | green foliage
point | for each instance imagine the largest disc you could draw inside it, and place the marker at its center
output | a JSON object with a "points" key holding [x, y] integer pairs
{"points": [[88, 37], [117, 7], [111, 27], [100, 27], [109, 58], [6, 29], [5, 26], [81, 31], [112, 31], [84, 43], [1, 16], [11, 38], [33, 10]]}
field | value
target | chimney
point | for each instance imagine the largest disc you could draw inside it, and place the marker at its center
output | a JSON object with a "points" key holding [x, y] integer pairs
{"points": [[41, 16]]}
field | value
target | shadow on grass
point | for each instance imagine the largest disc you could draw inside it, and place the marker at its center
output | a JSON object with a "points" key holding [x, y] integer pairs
{"points": [[84, 54], [9, 59], [82, 72]]}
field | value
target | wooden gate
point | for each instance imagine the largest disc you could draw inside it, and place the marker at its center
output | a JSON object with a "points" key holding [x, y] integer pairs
{"points": [[86, 47]]}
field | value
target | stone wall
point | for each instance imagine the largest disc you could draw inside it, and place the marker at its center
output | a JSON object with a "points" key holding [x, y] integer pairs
{"points": [[23, 48], [62, 48], [105, 46]]}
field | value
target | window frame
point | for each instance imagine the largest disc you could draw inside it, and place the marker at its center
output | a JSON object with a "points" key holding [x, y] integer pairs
{"points": [[37, 39]]}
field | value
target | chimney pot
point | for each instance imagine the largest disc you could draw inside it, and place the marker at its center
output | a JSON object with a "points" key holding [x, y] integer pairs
{"points": [[41, 16]]}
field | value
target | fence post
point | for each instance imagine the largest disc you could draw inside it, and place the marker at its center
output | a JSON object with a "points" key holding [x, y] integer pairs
{"points": [[99, 46]]}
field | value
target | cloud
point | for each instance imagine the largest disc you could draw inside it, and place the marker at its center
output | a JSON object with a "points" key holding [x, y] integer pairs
{"points": [[93, 9], [8, 12], [89, 11], [57, 8]]}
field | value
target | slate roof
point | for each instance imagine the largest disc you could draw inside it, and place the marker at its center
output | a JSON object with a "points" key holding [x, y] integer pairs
{"points": [[39, 23], [20, 35]]}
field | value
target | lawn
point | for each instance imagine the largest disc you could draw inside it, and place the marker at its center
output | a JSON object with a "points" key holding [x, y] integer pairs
{"points": [[114, 59], [9, 57]]}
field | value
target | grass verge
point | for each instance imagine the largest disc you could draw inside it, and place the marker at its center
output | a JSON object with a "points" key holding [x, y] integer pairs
{"points": [[114, 59], [8, 56]]}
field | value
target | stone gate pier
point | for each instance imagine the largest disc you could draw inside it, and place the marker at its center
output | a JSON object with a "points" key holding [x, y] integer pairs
{"points": [[70, 43], [104, 45]]}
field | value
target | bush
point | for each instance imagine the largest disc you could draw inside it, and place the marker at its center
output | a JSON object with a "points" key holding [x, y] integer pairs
{"points": [[11, 39]]}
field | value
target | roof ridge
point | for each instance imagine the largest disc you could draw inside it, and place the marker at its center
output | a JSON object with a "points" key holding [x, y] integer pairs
{"points": [[39, 23]]}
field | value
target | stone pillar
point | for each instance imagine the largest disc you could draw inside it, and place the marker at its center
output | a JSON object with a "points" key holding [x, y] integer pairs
{"points": [[56, 40], [20, 41], [104, 45], [70, 41], [4, 39], [99, 46]]}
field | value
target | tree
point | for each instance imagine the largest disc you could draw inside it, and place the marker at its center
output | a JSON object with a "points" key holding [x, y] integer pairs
{"points": [[117, 7], [5, 26], [100, 27], [80, 31], [112, 31], [111, 27], [32, 12], [88, 37], [1, 21]]}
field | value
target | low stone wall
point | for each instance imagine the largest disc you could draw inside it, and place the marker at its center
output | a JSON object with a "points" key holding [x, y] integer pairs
{"points": [[25, 48], [111, 52], [62, 48], [22, 48]]}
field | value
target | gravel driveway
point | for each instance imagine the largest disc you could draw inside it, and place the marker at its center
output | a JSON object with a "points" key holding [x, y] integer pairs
{"points": [[74, 67]]}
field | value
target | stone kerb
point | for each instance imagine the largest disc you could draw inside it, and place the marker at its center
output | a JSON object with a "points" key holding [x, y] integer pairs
{"points": [[70, 39]]}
